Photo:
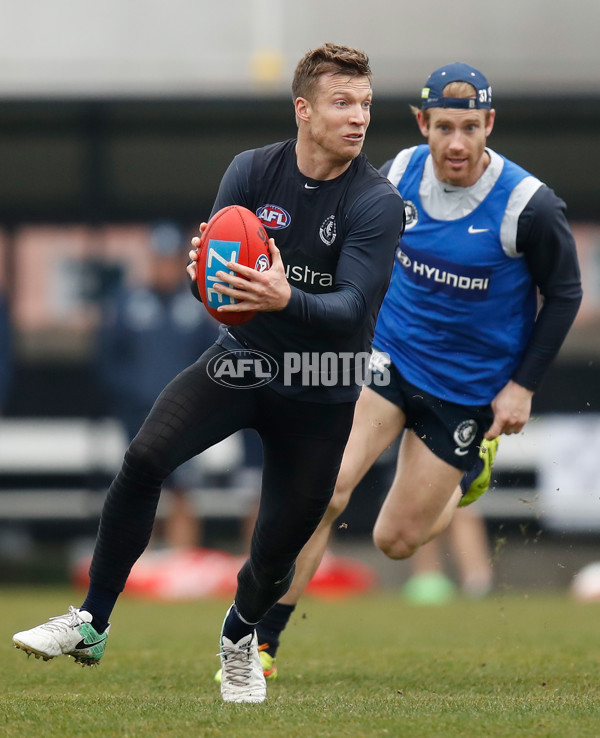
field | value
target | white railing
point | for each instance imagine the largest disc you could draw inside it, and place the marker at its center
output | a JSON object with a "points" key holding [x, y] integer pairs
{"points": [[559, 453], [37, 447]]}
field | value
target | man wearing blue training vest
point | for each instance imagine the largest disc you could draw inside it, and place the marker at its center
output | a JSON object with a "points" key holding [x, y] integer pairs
{"points": [[459, 334]]}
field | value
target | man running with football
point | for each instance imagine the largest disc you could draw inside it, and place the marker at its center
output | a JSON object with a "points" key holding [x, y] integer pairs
{"points": [[335, 222]]}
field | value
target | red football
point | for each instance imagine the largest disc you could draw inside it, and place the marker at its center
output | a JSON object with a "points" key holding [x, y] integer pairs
{"points": [[232, 234]]}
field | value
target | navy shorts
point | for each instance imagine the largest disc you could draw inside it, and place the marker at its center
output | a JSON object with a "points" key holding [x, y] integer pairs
{"points": [[451, 431]]}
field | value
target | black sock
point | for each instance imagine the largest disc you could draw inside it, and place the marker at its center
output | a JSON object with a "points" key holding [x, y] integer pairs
{"points": [[235, 627], [99, 603], [272, 625]]}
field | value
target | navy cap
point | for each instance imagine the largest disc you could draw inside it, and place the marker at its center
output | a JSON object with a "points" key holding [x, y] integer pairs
{"points": [[432, 95]]}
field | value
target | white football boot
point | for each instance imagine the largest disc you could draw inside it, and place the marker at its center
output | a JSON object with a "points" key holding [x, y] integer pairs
{"points": [[71, 634], [242, 674]]}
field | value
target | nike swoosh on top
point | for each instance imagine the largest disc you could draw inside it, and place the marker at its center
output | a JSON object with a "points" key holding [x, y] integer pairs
{"points": [[472, 229], [311, 187], [82, 644]]}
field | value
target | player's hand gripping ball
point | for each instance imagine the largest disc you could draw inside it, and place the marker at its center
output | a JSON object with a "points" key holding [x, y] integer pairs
{"points": [[232, 234]]}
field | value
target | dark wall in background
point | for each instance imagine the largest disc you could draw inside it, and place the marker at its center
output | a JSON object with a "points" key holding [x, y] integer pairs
{"points": [[106, 161], [69, 390], [110, 161]]}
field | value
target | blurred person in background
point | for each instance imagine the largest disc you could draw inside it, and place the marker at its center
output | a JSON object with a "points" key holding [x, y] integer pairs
{"points": [[148, 334], [459, 335], [12, 537], [464, 548], [6, 358]]}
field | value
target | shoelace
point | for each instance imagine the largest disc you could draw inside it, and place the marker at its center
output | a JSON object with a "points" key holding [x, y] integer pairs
{"points": [[64, 622], [237, 664]]}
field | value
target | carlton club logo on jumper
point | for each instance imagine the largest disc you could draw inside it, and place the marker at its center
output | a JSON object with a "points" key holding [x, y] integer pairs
{"points": [[246, 368], [439, 275], [273, 217], [328, 230], [411, 215]]}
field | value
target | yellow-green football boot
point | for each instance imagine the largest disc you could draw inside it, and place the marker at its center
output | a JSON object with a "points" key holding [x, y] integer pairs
{"points": [[478, 479]]}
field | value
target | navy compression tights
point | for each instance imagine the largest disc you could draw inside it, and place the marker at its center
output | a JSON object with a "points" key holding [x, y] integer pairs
{"points": [[303, 443]]}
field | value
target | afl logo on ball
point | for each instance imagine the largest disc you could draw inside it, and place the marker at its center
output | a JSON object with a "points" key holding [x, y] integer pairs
{"points": [[411, 215], [262, 263]]}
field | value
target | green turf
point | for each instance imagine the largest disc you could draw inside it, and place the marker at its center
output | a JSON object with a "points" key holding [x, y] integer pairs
{"points": [[371, 666]]}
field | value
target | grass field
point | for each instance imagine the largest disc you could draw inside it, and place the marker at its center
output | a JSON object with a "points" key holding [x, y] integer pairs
{"points": [[511, 665]]}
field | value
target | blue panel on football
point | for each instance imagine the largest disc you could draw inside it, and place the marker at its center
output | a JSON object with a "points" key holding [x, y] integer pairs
{"points": [[218, 255]]}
